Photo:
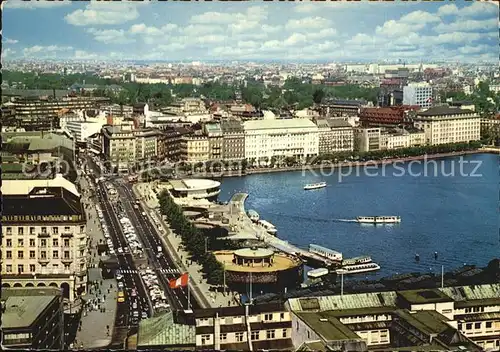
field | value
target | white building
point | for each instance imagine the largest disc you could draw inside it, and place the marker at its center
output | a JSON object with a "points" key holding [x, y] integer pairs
{"points": [[448, 125], [81, 130], [267, 138], [401, 139], [418, 94]]}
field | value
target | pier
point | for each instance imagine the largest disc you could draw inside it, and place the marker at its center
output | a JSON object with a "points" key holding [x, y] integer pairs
{"points": [[239, 219]]}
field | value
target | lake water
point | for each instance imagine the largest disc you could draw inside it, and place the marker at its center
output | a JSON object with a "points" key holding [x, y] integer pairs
{"points": [[454, 215]]}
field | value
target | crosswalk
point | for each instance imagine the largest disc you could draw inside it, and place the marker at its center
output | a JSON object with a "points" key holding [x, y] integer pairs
{"points": [[163, 271]]}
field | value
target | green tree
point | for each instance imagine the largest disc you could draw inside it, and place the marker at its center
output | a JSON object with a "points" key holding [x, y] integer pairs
{"points": [[318, 96]]}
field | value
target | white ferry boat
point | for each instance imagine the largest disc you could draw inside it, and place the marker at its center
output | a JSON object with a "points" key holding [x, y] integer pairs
{"points": [[270, 228], [325, 252], [357, 260], [315, 186], [357, 269], [253, 215], [317, 273], [378, 219]]}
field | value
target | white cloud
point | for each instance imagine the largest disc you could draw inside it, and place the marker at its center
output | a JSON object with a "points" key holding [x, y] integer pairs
{"points": [[7, 52], [417, 17], [142, 29], [10, 41], [40, 50], [110, 36], [454, 38], [474, 49], [394, 28], [197, 30], [467, 26], [30, 4], [295, 39], [103, 13], [480, 9], [324, 33], [307, 23], [84, 55], [448, 10]]}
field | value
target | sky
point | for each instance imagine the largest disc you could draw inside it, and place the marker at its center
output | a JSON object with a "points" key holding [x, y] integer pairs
{"points": [[452, 31]]}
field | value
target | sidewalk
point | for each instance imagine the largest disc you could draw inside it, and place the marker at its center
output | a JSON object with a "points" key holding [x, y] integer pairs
{"points": [[213, 298], [93, 332]]}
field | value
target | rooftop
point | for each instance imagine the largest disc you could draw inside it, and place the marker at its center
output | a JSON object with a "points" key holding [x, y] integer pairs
{"points": [[24, 187], [277, 124], [444, 110], [427, 321], [351, 301], [280, 262], [193, 184], [24, 305], [424, 296], [327, 326], [253, 253], [162, 330]]}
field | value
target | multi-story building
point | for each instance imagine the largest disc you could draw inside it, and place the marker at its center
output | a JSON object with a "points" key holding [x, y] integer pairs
{"points": [[118, 146], [194, 148], [368, 139], [254, 327], [233, 136], [446, 319], [418, 94], [265, 139], [335, 135], [393, 116], [448, 125], [215, 140], [146, 144], [342, 107], [32, 318], [173, 140], [81, 130], [117, 110], [44, 235], [401, 138]]}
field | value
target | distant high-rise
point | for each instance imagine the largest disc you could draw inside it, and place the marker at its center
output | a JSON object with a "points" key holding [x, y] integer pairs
{"points": [[418, 94]]}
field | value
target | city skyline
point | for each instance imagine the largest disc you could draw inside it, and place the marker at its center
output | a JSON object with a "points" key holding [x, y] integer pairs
{"points": [[464, 32]]}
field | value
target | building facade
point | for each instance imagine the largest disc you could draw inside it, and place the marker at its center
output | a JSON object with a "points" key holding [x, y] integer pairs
{"points": [[448, 125], [334, 135], [368, 139], [194, 148], [44, 236], [215, 140], [244, 328], [418, 94], [265, 139], [146, 144], [118, 146], [233, 140]]}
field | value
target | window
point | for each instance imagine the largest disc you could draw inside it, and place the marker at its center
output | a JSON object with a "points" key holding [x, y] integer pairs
{"points": [[20, 242], [66, 242], [20, 268], [468, 326], [284, 333], [308, 334], [477, 325], [66, 254], [239, 337], [255, 335], [32, 254], [66, 229], [8, 242], [32, 268], [268, 317], [489, 324], [32, 230], [55, 254], [270, 334], [55, 230], [66, 266], [55, 242], [9, 230], [282, 316], [43, 254], [43, 243], [44, 229], [205, 339], [32, 242], [8, 268], [20, 255], [8, 254], [223, 337], [82, 229], [20, 231]]}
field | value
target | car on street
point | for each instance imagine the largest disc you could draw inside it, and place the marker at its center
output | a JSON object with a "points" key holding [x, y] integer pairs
{"points": [[120, 285], [121, 297], [119, 277]]}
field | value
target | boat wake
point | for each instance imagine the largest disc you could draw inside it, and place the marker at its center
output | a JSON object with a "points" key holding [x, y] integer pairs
{"points": [[310, 218], [344, 220]]}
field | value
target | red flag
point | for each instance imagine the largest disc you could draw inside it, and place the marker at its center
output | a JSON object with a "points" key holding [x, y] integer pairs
{"points": [[179, 282]]}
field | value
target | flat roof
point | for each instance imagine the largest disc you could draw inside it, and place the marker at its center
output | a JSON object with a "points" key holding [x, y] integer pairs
{"points": [[253, 253], [428, 321], [424, 296], [279, 123], [24, 305], [193, 184], [24, 187], [327, 326]]}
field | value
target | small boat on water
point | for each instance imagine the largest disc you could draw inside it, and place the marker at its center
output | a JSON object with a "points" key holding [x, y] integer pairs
{"points": [[378, 219], [253, 215], [317, 273], [325, 252], [270, 228], [357, 260], [357, 269], [315, 185]]}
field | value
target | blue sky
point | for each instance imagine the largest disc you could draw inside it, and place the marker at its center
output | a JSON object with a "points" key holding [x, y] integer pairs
{"points": [[332, 31]]}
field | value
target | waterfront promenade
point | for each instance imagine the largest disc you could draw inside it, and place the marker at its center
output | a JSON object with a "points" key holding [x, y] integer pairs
{"points": [[207, 295]]}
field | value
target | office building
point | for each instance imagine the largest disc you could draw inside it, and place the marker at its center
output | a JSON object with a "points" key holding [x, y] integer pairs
{"points": [[334, 135], [233, 139], [418, 94]]}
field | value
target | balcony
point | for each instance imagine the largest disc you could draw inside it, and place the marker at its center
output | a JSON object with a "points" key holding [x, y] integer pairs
{"points": [[67, 259], [67, 234], [42, 260], [43, 234]]}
